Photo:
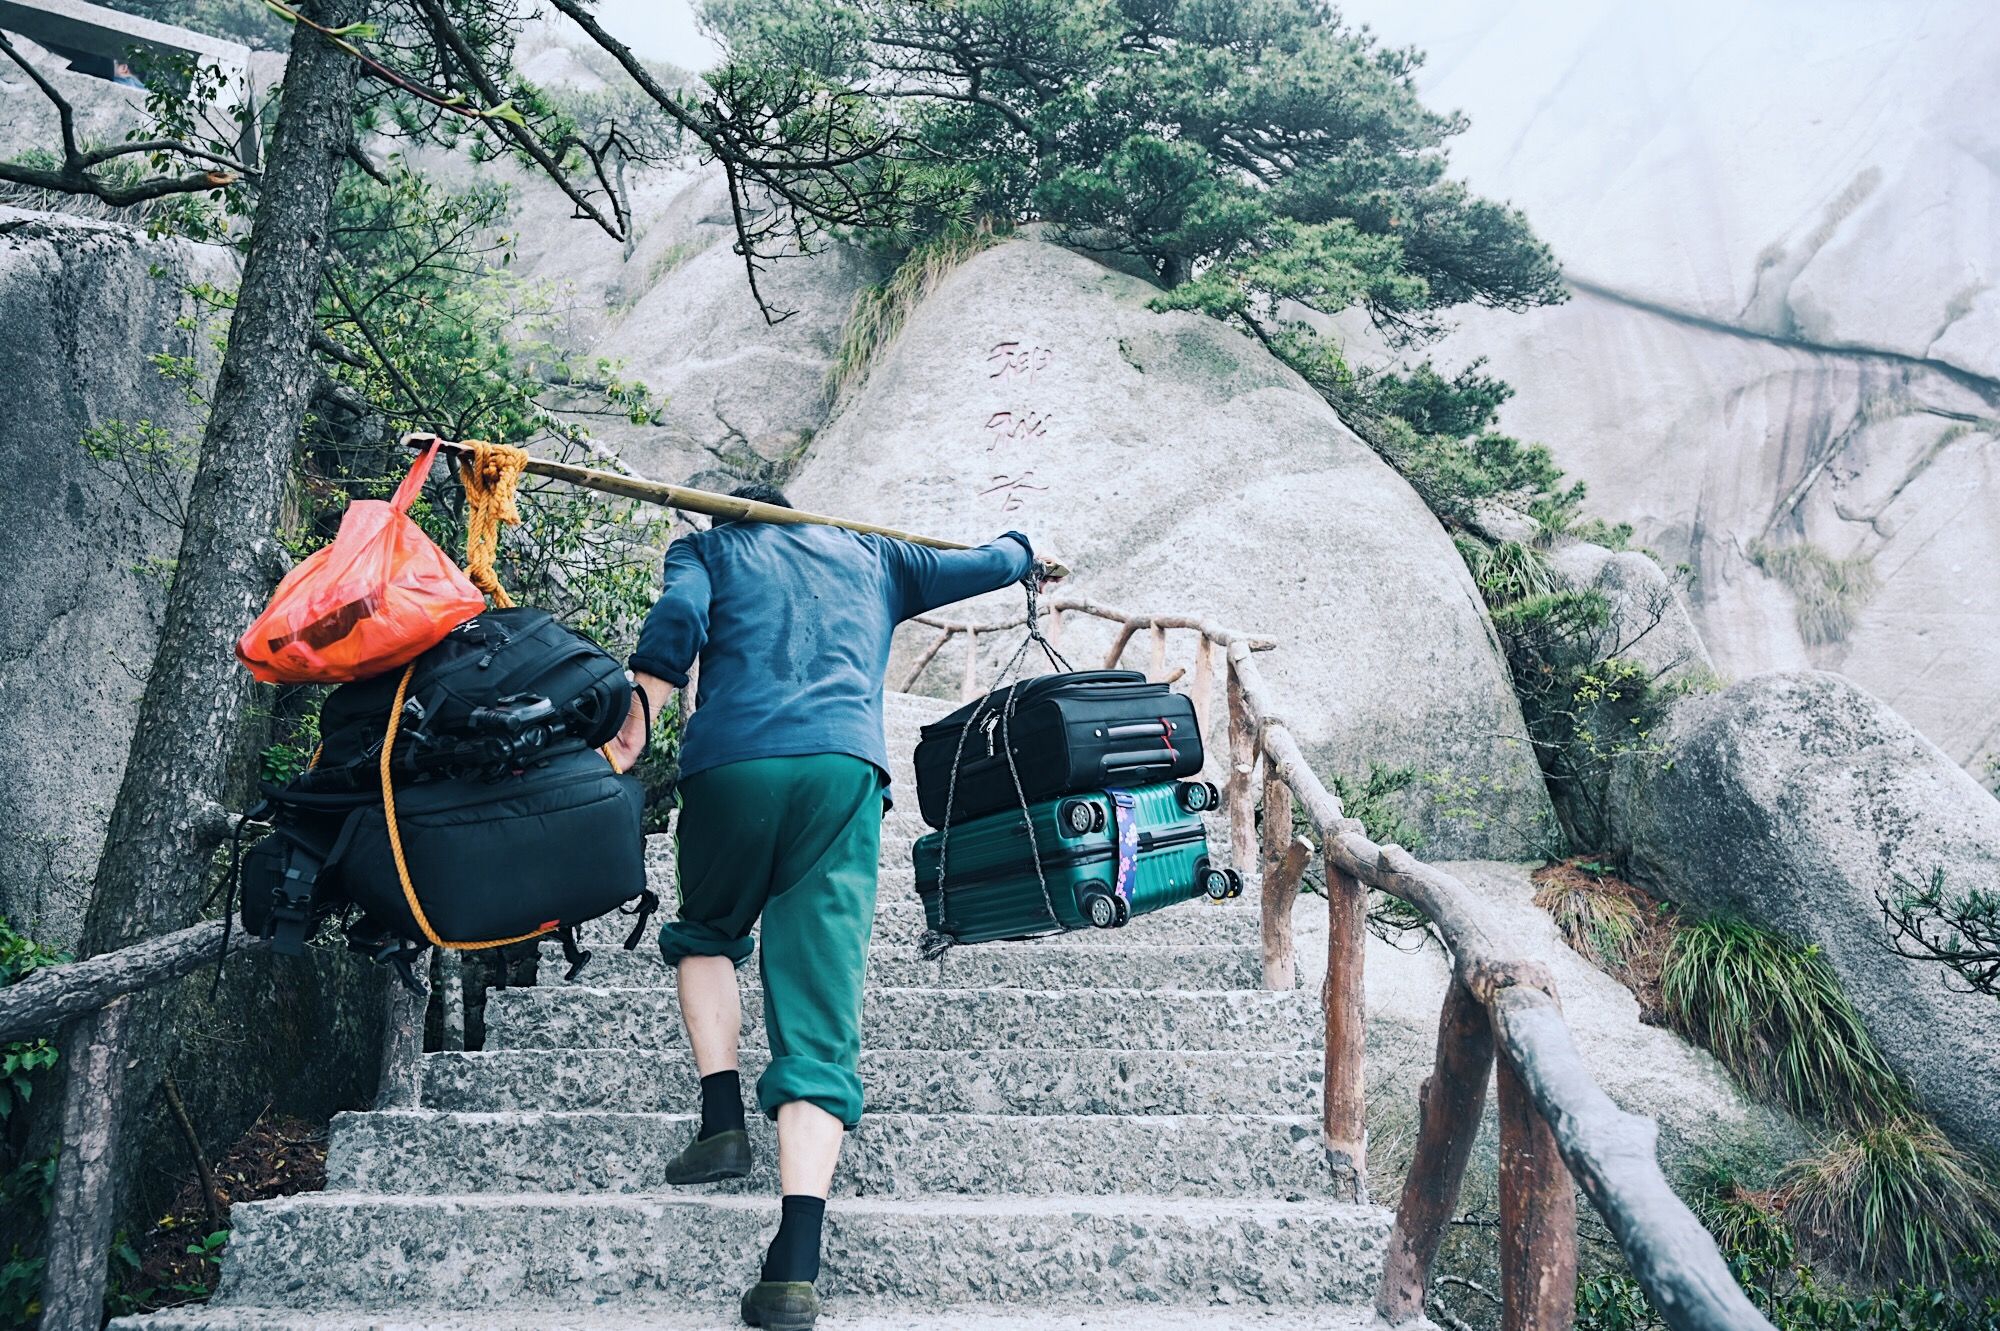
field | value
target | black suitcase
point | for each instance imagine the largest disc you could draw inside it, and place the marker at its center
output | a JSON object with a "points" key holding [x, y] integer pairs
{"points": [[1068, 734]]}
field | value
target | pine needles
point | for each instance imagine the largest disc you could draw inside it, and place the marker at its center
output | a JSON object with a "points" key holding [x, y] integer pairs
{"points": [[1776, 1016]]}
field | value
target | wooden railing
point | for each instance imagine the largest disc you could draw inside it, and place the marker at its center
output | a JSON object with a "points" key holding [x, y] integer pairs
{"points": [[1501, 1019], [89, 1002]]}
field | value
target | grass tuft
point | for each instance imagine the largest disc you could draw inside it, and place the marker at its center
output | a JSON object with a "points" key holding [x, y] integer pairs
{"points": [[1776, 1016], [1828, 593], [1600, 918], [1896, 1201], [879, 311]]}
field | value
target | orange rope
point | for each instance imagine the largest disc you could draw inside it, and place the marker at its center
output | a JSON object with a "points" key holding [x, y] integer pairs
{"points": [[396, 836], [490, 477]]}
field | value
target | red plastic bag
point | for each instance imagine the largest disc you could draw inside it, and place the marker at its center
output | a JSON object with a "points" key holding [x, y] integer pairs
{"points": [[380, 596]]}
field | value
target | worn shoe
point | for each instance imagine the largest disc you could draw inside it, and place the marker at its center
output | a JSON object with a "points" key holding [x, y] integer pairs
{"points": [[781, 1305], [725, 1155]]}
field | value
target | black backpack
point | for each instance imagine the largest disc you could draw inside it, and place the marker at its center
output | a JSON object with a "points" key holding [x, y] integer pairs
{"points": [[503, 821]]}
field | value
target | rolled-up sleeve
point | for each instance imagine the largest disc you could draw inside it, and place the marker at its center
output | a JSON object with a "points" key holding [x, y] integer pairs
{"points": [[678, 625], [924, 578]]}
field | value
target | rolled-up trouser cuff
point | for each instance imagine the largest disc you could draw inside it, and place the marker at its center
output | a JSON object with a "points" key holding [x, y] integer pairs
{"points": [[833, 1088], [680, 939]]}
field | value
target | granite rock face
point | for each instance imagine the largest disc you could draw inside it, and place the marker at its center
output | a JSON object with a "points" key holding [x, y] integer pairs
{"points": [[1181, 469], [1799, 802], [743, 396], [87, 546], [1785, 328]]}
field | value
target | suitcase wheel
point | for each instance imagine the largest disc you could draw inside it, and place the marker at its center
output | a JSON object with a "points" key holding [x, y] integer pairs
{"points": [[1101, 909], [1235, 883], [1218, 885], [1124, 911], [1082, 816], [1197, 796]]}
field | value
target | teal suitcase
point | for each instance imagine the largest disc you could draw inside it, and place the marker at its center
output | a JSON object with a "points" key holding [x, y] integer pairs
{"points": [[1105, 856]]}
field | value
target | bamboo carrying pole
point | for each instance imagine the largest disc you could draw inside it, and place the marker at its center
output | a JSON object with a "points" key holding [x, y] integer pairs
{"points": [[705, 502]]}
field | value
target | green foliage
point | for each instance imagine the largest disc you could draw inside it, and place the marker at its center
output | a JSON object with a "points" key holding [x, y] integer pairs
{"points": [[287, 758], [1760, 1243], [1776, 1016], [1466, 404], [25, 1184], [233, 20], [1381, 803], [151, 464], [1827, 592], [1255, 153], [1510, 573]]}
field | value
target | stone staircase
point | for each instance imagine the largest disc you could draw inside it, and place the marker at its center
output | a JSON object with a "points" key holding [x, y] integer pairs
{"points": [[1105, 1130]]}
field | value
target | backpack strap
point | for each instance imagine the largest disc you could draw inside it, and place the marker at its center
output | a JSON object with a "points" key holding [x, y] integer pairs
{"points": [[396, 841], [649, 902], [577, 957]]}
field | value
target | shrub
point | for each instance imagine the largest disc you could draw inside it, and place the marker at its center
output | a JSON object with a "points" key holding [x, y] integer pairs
{"points": [[1776, 1016]]}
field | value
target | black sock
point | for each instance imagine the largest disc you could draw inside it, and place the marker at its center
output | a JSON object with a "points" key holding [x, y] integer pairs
{"points": [[721, 1104], [794, 1254]]}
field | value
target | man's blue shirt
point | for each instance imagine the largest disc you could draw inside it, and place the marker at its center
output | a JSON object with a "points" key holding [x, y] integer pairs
{"points": [[793, 626]]}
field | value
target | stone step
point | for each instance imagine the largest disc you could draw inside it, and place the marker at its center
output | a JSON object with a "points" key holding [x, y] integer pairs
{"points": [[578, 1017], [888, 1155], [846, 1314], [936, 1081], [360, 1251], [1034, 965], [899, 918]]}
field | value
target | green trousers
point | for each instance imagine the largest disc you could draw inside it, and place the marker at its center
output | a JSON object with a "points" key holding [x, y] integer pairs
{"points": [[795, 841]]}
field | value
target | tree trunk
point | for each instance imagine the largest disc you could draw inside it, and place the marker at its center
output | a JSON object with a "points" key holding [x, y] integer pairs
{"points": [[162, 832]]}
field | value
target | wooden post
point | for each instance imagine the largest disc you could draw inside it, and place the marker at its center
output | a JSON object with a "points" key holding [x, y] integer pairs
{"points": [[1278, 870], [1054, 631], [1240, 798], [94, 1059], [1159, 670], [1344, 1107], [400, 1085], [1537, 1216], [1125, 632], [451, 979], [1203, 690], [1449, 1107], [968, 689]]}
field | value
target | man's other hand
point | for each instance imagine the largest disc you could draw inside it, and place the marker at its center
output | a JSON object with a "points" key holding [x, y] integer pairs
{"points": [[1052, 568], [629, 745]]}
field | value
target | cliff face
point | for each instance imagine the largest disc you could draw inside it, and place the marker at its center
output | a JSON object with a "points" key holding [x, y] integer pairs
{"points": [[1780, 225], [87, 545]]}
